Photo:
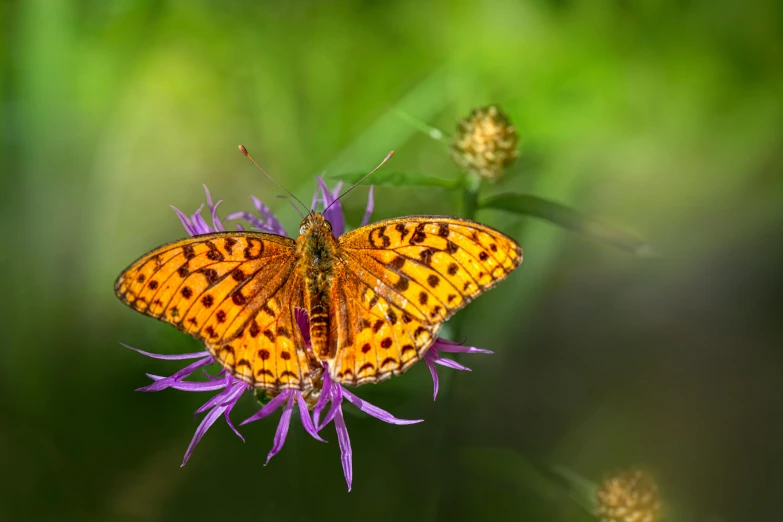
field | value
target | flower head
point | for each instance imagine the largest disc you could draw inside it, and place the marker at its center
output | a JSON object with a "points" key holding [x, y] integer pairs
{"points": [[485, 142], [326, 392], [317, 407], [628, 496]]}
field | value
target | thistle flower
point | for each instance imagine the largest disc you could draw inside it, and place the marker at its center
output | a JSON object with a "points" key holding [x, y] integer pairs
{"points": [[433, 357], [628, 496], [326, 396], [485, 142]]}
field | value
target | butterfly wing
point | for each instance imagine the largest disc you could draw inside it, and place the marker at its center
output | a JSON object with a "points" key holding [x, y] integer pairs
{"points": [[402, 278], [222, 288]]}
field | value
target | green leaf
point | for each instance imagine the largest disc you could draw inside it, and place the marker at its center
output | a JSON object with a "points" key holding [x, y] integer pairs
{"points": [[580, 489], [398, 179], [526, 205]]}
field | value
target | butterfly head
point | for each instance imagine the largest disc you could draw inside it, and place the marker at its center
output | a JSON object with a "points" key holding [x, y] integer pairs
{"points": [[314, 223]]}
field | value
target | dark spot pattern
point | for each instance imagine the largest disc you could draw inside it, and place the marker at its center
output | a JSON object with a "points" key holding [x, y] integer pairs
{"points": [[269, 335], [453, 269], [362, 324], [254, 329], [451, 297], [242, 362], [367, 366], [391, 317], [141, 278], [426, 256], [285, 356], [264, 371], [406, 318], [388, 360], [483, 255], [186, 292], [386, 343], [189, 252], [373, 301], [221, 316], [254, 249], [443, 230], [183, 271], [397, 263], [207, 300], [402, 284], [238, 274], [399, 227], [493, 247], [451, 247], [267, 310], [263, 354], [377, 326], [407, 347], [423, 297], [282, 331], [228, 244], [366, 348], [433, 280], [420, 330], [152, 284], [210, 274], [378, 238], [210, 331], [238, 298], [435, 311]]}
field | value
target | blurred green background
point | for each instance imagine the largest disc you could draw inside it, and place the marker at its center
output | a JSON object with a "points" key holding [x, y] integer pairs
{"points": [[662, 117]]}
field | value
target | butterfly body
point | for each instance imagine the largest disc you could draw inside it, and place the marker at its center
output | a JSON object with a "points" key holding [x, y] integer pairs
{"points": [[376, 296]]}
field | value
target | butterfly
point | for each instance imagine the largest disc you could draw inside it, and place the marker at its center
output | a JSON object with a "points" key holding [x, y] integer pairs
{"points": [[375, 297]]}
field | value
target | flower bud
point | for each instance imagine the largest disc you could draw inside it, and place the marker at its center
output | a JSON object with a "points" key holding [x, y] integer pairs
{"points": [[628, 496], [485, 142]]}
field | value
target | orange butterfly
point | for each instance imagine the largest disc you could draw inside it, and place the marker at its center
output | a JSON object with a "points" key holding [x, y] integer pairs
{"points": [[376, 296]]}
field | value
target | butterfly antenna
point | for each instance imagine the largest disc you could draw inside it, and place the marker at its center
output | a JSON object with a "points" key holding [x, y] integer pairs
{"points": [[244, 151], [388, 156]]}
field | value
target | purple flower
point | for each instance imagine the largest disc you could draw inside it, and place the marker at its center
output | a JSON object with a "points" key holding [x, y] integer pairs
{"points": [[433, 357], [330, 396]]}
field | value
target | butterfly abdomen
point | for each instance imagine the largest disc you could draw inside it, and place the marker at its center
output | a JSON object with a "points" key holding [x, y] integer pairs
{"points": [[318, 250]]}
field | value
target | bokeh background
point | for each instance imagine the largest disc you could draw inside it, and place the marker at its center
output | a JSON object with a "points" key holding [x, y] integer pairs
{"points": [[663, 118]]}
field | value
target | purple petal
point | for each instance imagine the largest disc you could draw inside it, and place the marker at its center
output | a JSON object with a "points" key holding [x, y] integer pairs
{"points": [[326, 394], [307, 422], [448, 363], [230, 403], [303, 321], [270, 407], [217, 399], [346, 455], [337, 401], [282, 429], [444, 345], [216, 224], [375, 411], [250, 218], [206, 423], [272, 223], [335, 213], [209, 196], [177, 357], [185, 221], [190, 386], [434, 377], [370, 206], [170, 381]]}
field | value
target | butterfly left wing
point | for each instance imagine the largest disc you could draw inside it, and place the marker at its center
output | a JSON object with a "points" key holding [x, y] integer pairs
{"points": [[402, 278], [222, 288]]}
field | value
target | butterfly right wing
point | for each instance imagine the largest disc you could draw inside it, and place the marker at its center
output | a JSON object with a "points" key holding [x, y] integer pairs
{"points": [[405, 277]]}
